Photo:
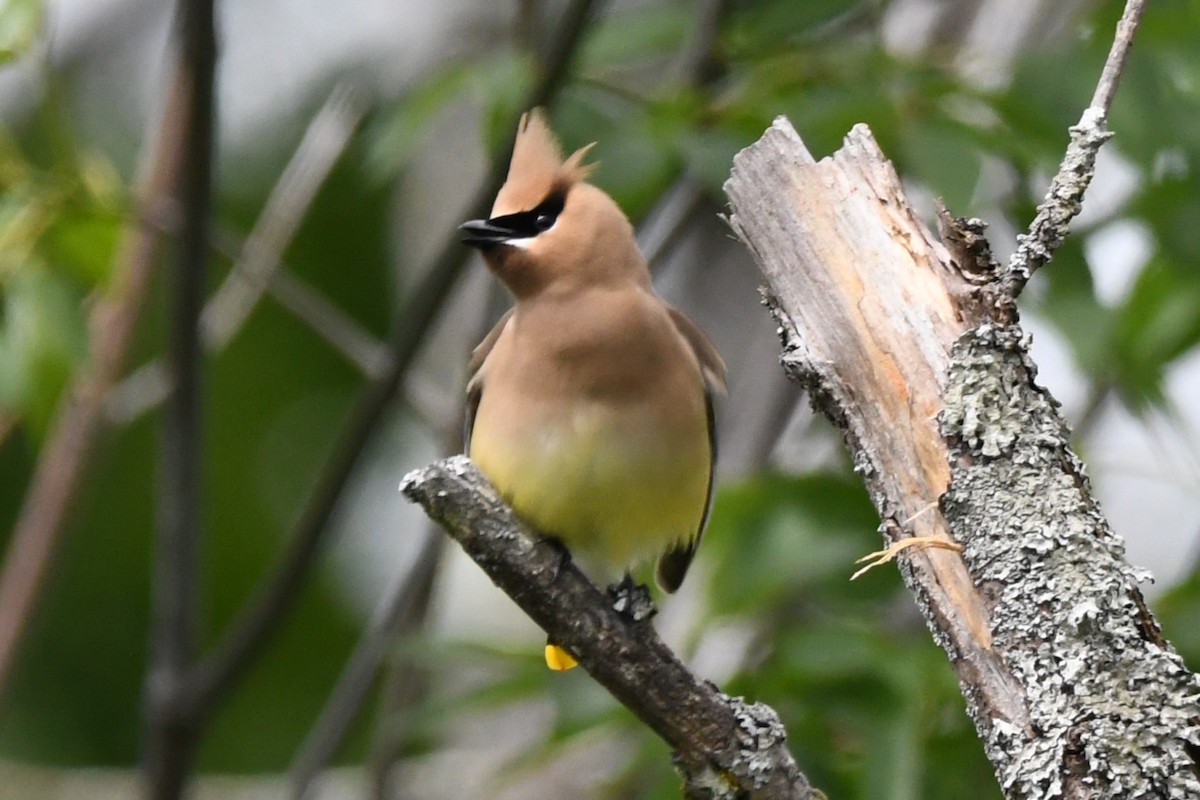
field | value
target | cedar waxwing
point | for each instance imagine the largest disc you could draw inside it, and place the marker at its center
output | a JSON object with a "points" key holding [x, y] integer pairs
{"points": [[590, 402]]}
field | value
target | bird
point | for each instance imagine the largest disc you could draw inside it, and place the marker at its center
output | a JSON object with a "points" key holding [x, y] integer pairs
{"points": [[590, 402]]}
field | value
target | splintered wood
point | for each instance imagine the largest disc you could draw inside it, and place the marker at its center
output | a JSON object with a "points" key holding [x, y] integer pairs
{"points": [[860, 289]]}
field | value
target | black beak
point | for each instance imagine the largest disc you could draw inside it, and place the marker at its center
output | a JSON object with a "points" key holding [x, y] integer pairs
{"points": [[482, 234]]}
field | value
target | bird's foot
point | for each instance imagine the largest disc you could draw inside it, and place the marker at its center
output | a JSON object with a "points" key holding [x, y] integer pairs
{"points": [[631, 600], [880, 557]]}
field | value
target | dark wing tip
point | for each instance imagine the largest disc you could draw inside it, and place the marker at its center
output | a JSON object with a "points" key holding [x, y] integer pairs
{"points": [[673, 566]]}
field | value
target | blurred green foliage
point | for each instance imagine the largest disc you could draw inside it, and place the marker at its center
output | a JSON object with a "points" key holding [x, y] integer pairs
{"points": [[870, 703], [20, 25]]}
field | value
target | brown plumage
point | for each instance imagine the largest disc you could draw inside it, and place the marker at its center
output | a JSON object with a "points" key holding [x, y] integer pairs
{"points": [[590, 402]]}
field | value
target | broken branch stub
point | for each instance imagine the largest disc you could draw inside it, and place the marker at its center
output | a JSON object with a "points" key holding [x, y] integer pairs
{"points": [[917, 357]]}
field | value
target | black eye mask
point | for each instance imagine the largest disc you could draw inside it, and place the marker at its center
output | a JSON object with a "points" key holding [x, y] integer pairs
{"points": [[521, 225]]}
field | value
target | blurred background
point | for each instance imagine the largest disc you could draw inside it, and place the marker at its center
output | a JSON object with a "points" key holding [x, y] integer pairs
{"points": [[352, 138]]}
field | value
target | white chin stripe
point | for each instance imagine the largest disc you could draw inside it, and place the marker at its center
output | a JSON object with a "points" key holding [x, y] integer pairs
{"points": [[521, 243]]}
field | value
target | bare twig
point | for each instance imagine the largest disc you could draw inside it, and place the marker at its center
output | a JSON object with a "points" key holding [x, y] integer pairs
{"points": [[724, 746], [1064, 198], [1098, 393], [257, 266], [668, 221], [342, 333], [323, 143], [401, 609], [65, 456], [699, 64], [276, 596], [1114, 65], [171, 731]]}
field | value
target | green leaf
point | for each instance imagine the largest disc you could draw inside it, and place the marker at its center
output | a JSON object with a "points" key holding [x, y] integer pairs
{"points": [[1071, 305], [631, 36], [945, 160], [775, 535], [20, 25], [43, 339], [1159, 322], [393, 137], [1178, 612]]}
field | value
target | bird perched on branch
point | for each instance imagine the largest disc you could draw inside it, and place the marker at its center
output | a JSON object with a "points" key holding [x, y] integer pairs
{"points": [[590, 402]]}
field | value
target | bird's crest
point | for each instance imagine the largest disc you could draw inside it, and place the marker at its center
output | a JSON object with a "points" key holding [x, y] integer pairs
{"points": [[537, 169]]}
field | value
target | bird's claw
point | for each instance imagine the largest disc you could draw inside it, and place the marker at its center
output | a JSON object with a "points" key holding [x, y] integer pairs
{"points": [[631, 600]]}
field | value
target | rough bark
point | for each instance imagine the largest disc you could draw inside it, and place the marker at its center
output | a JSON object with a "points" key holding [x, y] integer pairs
{"points": [[913, 349], [725, 747]]}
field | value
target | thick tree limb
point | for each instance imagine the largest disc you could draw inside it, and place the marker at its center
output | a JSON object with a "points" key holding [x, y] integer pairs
{"points": [[1072, 688], [724, 746]]}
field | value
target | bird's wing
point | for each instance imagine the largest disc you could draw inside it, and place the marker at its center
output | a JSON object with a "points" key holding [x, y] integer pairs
{"points": [[475, 376], [673, 564], [711, 364]]}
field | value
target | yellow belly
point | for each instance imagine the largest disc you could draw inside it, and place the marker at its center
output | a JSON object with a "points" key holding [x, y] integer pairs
{"points": [[618, 484]]}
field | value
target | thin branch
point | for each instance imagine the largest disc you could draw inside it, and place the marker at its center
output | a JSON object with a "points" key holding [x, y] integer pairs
{"points": [[171, 732], [1098, 393], [146, 387], [668, 221], [65, 456], [323, 143], [405, 684], [699, 64], [341, 332], [258, 264], [723, 746], [1114, 65], [249, 633], [399, 612], [563, 47], [1064, 198]]}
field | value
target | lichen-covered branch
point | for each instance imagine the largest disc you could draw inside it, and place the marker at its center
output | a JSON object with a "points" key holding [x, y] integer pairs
{"points": [[1072, 688], [1064, 198], [724, 746], [1113, 711]]}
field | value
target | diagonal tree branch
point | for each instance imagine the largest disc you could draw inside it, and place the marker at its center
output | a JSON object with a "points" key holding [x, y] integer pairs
{"points": [[1064, 198], [257, 262], [404, 604], [65, 456], [401, 609], [324, 141], [724, 746]]}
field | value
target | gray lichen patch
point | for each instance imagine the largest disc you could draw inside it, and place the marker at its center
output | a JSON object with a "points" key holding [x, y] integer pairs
{"points": [[762, 746], [1111, 710]]}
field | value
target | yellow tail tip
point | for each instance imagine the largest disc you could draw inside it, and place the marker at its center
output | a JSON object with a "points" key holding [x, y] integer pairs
{"points": [[558, 659]]}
